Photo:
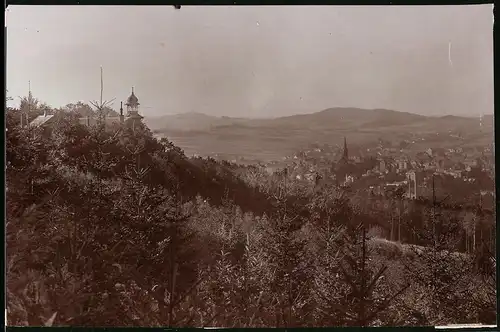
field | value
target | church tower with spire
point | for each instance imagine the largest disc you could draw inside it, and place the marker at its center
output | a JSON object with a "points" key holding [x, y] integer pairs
{"points": [[345, 154], [343, 168]]}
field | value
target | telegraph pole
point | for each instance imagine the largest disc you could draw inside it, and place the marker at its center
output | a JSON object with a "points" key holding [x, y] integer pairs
{"points": [[101, 104], [101, 87], [433, 211], [29, 96]]}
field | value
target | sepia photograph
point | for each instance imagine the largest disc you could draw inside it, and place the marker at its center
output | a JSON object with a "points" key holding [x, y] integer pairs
{"points": [[250, 166]]}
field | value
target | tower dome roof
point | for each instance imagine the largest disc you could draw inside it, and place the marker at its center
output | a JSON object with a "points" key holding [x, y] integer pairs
{"points": [[132, 100]]}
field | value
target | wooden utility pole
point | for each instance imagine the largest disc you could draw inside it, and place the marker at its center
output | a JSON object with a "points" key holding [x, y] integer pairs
{"points": [[399, 225], [391, 206], [29, 96], [362, 309], [101, 87], [479, 219], [434, 211], [400, 203]]}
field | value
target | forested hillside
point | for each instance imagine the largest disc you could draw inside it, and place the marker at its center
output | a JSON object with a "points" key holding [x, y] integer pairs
{"points": [[117, 228]]}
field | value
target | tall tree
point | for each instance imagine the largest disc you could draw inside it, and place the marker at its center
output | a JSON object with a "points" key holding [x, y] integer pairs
{"points": [[363, 298]]}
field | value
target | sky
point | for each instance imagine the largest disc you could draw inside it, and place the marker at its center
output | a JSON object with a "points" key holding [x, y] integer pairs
{"points": [[252, 61]]}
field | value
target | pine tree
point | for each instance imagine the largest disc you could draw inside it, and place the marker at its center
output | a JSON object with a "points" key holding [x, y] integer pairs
{"points": [[363, 298], [290, 279], [438, 271], [484, 294]]}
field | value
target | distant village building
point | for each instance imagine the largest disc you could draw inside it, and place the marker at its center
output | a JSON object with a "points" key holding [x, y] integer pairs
{"points": [[382, 166], [470, 163], [411, 178], [402, 164], [439, 162], [455, 174], [132, 119], [45, 122], [349, 179]]}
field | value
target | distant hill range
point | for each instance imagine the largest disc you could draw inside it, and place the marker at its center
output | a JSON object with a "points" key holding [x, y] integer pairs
{"points": [[331, 118], [204, 134]]}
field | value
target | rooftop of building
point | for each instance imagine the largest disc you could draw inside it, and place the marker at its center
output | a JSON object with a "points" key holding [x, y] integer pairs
{"points": [[41, 120]]}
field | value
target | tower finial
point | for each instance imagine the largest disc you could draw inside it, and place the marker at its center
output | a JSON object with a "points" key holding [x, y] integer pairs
{"points": [[132, 90]]}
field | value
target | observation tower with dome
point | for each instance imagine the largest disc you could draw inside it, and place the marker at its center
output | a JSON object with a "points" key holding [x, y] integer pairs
{"points": [[131, 119], [133, 116]]}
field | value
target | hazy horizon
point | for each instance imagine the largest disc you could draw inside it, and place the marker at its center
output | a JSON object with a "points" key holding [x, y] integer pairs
{"points": [[270, 116], [251, 61]]}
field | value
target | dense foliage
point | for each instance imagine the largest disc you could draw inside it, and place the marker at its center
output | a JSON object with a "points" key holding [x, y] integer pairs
{"points": [[112, 227]]}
